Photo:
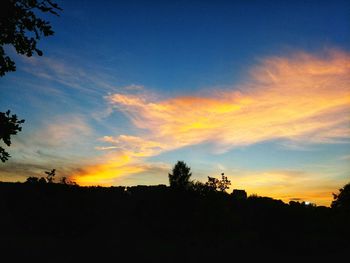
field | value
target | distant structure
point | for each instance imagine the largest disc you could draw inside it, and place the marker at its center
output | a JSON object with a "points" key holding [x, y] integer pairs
{"points": [[239, 194]]}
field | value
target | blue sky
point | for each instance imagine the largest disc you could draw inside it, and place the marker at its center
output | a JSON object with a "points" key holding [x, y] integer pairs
{"points": [[258, 90]]}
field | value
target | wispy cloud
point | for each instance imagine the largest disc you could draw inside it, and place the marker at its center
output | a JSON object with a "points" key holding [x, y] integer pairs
{"points": [[109, 168], [299, 99], [345, 158], [126, 158], [61, 142], [303, 98], [86, 80], [20, 170], [136, 146], [63, 131]]}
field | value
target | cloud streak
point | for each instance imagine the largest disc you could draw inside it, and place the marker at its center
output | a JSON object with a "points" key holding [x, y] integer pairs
{"points": [[53, 69], [56, 142], [302, 98]]}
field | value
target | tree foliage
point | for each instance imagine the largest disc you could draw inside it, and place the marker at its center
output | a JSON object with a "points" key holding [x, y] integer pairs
{"points": [[180, 176], [217, 184], [342, 199], [50, 178], [22, 28], [9, 125], [50, 175], [224, 183], [212, 183]]}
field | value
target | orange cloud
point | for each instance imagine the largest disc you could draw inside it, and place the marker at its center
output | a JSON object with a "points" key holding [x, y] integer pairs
{"points": [[115, 168], [109, 168], [305, 98], [135, 146], [300, 98]]}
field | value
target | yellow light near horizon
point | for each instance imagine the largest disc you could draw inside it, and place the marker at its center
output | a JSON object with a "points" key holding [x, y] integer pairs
{"points": [[301, 98], [103, 174]]}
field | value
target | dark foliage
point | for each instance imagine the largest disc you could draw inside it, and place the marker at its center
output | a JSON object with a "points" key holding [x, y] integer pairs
{"points": [[217, 184], [342, 199], [67, 223], [9, 125], [239, 194], [50, 178], [212, 183], [180, 176], [50, 175], [22, 28]]}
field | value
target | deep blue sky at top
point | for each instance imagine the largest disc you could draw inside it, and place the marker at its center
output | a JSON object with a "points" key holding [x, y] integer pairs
{"points": [[179, 46], [173, 49]]}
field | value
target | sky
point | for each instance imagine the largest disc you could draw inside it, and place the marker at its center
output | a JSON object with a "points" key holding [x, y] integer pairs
{"points": [[258, 90]]}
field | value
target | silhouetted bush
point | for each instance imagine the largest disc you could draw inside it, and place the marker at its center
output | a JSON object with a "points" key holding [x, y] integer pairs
{"points": [[239, 194]]}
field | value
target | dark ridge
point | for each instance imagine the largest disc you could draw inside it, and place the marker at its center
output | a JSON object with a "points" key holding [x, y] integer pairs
{"points": [[65, 223]]}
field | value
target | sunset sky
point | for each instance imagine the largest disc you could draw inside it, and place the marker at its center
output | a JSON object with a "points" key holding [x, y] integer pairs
{"points": [[258, 90]]}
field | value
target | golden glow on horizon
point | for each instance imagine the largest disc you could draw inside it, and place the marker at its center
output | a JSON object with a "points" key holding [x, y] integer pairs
{"points": [[301, 98], [101, 174], [287, 185]]}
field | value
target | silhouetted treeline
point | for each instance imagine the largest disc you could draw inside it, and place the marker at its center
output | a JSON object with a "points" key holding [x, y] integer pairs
{"points": [[66, 223]]}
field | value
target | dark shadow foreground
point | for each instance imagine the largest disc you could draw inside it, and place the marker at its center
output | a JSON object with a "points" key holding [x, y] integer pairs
{"points": [[65, 223]]}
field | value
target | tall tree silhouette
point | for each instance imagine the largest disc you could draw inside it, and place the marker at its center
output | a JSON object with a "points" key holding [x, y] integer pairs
{"points": [[22, 29], [9, 125], [180, 176]]}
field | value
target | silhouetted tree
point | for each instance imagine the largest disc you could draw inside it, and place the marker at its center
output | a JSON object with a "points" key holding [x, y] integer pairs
{"points": [[201, 188], [212, 183], [180, 176], [9, 125], [50, 177], [342, 199], [224, 183], [218, 185], [21, 28]]}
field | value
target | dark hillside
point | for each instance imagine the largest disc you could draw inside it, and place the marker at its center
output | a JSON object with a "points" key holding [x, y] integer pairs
{"points": [[66, 222]]}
